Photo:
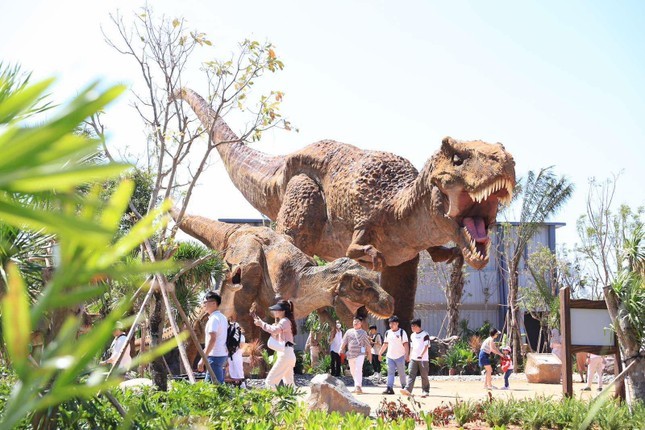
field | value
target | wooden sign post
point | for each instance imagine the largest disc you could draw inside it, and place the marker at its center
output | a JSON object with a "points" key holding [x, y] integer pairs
{"points": [[584, 325]]}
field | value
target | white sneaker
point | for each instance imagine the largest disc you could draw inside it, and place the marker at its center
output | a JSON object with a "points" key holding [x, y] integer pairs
{"points": [[504, 388]]}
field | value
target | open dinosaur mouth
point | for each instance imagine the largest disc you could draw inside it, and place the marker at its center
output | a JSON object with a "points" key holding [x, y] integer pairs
{"points": [[475, 213], [360, 309]]}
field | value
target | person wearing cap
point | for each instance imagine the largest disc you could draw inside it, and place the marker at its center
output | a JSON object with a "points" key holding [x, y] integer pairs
{"points": [[214, 338], [117, 345], [397, 345], [283, 330], [507, 365], [357, 343]]}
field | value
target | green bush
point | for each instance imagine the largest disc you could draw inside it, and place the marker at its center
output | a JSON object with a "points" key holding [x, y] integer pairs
{"points": [[500, 413]]}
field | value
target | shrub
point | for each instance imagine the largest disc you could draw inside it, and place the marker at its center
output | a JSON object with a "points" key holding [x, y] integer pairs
{"points": [[536, 413], [500, 413], [464, 412]]}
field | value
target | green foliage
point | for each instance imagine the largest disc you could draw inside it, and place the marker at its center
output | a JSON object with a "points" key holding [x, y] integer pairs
{"points": [[500, 413], [536, 413], [464, 411], [47, 160]]}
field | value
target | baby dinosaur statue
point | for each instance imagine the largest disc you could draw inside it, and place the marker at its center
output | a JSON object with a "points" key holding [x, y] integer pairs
{"points": [[265, 265], [336, 200]]}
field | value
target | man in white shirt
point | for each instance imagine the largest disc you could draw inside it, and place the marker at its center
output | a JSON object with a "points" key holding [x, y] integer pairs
{"points": [[117, 346], [419, 358], [215, 338], [398, 348]]}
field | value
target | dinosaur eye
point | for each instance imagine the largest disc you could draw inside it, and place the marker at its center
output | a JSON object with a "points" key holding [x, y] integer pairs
{"points": [[457, 160]]}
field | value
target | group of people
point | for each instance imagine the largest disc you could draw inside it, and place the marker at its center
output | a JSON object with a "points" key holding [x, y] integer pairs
{"points": [[357, 345], [216, 330]]}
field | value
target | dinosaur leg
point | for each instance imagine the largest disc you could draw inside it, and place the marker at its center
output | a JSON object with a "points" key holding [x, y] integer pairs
{"points": [[303, 213], [401, 282], [360, 249]]}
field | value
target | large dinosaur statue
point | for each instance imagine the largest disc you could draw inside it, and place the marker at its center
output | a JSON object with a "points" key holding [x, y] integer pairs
{"points": [[264, 265], [337, 200]]}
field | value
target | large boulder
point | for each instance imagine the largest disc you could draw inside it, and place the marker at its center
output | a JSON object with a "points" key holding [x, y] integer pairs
{"points": [[543, 368], [330, 394]]}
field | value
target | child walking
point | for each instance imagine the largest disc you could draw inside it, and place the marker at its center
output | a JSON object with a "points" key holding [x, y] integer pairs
{"points": [[507, 365]]}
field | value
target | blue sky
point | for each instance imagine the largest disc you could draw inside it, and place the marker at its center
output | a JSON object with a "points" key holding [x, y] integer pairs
{"points": [[559, 83]]}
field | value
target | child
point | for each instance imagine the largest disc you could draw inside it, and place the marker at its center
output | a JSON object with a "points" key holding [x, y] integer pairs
{"points": [[507, 365], [419, 358]]}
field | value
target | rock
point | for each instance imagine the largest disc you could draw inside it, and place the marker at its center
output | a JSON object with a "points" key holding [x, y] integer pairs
{"points": [[330, 394], [136, 384], [543, 368]]}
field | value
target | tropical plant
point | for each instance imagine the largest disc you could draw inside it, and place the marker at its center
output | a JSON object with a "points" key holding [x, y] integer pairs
{"points": [[46, 160], [543, 194]]}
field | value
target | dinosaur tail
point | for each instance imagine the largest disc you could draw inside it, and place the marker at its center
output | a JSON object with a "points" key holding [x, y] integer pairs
{"points": [[257, 175], [213, 234]]}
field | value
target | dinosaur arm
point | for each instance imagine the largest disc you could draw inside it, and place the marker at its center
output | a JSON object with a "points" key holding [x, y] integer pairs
{"points": [[360, 247], [443, 254]]}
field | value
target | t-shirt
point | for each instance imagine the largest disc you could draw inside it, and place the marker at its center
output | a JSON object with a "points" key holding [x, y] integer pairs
{"points": [[335, 343], [378, 341], [395, 341], [418, 341], [218, 324], [117, 345]]}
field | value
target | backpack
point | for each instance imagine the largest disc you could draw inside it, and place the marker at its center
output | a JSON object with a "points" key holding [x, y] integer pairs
{"points": [[233, 335]]}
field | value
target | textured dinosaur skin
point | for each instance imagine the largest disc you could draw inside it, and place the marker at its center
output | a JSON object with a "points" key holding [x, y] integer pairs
{"points": [[265, 265], [337, 200]]}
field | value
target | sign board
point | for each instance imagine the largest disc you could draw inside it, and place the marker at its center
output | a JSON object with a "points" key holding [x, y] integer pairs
{"points": [[585, 327], [591, 327]]}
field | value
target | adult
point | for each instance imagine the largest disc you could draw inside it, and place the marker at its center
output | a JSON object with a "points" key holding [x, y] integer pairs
{"points": [[595, 366], [335, 340], [419, 359], [283, 330], [236, 360], [117, 345], [313, 347], [489, 347], [556, 343], [357, 344], [397, 345], [215, 338], [376, 340]]}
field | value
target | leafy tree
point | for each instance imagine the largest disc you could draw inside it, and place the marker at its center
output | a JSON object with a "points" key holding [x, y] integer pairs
{"points": [[543, 194], [164, 50], [613, 244]]}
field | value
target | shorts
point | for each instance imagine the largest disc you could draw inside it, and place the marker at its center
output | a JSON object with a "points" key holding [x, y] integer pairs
{"points": [[483, 359]]}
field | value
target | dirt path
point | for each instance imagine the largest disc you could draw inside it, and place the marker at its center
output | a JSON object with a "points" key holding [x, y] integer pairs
{"points": [[448, 390]]}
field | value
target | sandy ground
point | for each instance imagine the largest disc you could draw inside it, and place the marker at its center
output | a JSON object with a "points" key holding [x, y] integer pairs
{"points": [[449, 390]]}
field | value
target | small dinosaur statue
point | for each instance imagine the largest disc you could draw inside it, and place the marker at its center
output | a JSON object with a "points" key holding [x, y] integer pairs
{"points": [[265, 265], [337, 200]]}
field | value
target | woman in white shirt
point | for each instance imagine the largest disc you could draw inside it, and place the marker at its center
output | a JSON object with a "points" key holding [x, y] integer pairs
{"points": [[488, 347], [115, 350], [283, 331]]}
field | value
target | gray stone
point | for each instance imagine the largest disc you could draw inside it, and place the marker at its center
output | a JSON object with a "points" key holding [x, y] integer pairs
{"points": [[330, 394], [543, 368]]}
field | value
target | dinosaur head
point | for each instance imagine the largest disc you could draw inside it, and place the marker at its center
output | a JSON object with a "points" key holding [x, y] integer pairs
{"points": [[228, 290], [472, 179], [359, 291]]}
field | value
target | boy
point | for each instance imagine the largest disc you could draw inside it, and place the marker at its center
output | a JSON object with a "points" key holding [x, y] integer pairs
{"points": [[419, 358], [507, 365], [376, 340], [398, 349]]}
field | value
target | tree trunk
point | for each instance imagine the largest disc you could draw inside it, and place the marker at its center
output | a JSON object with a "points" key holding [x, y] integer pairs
{"points": [[514, 325], [454, 294], [627, 336], [158, 368]]}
